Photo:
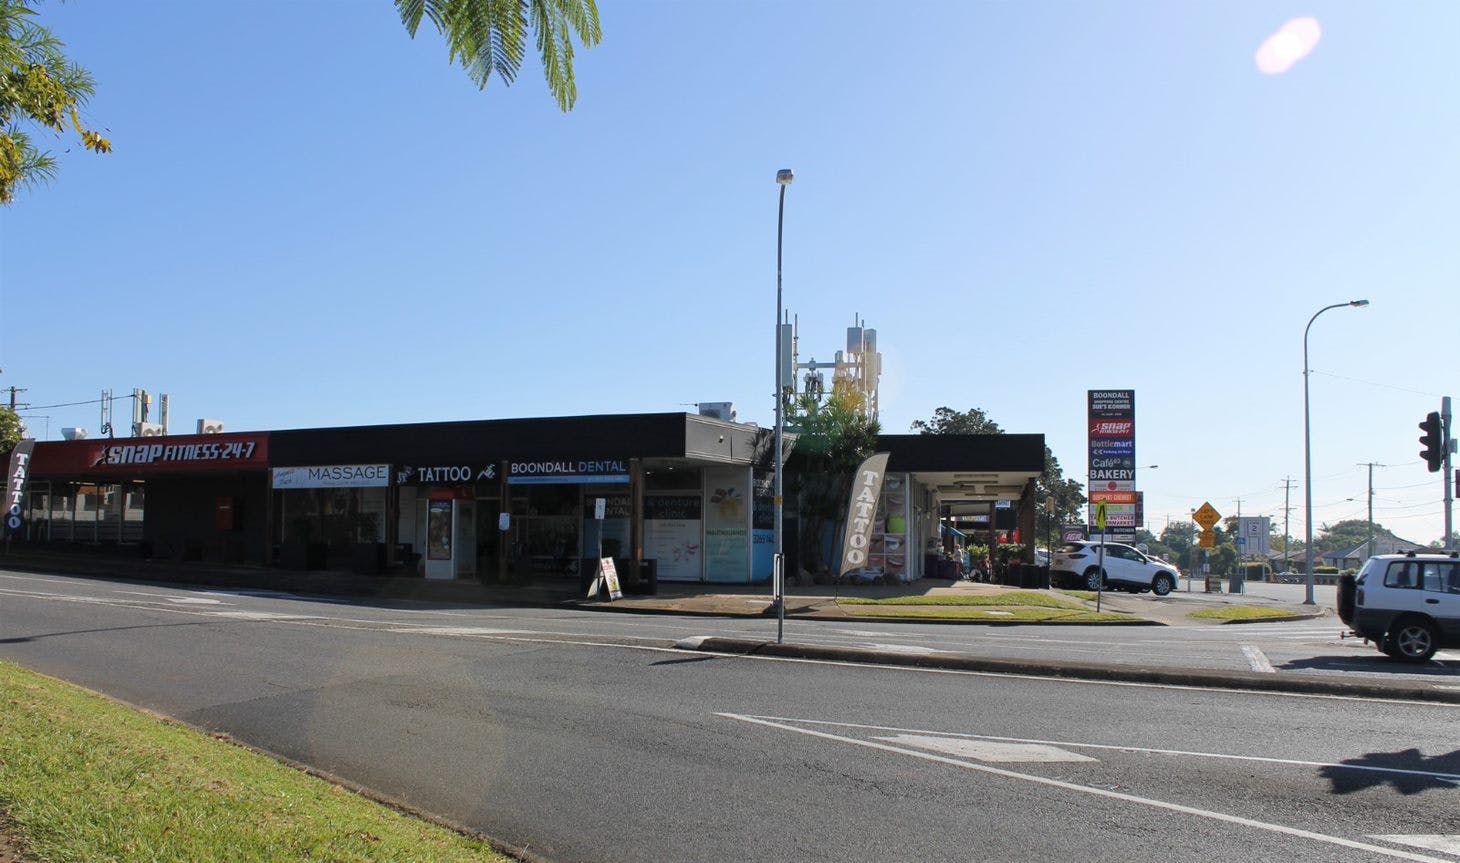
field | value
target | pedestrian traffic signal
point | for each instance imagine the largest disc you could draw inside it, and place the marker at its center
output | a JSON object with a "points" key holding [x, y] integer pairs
{"points": [[1433, 440]]}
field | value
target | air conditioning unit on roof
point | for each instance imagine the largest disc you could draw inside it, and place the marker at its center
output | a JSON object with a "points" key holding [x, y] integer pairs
{"points": [[210, 426], [719, 410], [149, 430]]}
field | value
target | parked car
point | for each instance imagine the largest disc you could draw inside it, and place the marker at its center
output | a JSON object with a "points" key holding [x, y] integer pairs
{"points": [[1078, 564], [1407, 604]]}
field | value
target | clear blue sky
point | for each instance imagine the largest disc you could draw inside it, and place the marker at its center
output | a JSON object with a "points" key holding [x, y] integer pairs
{"points": [[311, 219]]}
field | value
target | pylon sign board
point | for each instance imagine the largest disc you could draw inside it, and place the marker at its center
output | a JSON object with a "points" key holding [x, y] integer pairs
{"points": [[1207, 539], [1111, 475], [1207, 516]]}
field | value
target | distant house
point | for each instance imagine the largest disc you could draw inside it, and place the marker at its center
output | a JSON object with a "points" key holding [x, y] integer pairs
{"points": [[1353, 558]]}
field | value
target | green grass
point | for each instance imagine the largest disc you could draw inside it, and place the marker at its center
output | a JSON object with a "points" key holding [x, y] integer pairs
{"points": [[1023, 615], [83, 778], [1243, 612], [1027, 598], [1080, 594]]}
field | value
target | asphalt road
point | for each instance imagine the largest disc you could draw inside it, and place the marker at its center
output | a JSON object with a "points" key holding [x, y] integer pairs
{"points": [[585, 738]]}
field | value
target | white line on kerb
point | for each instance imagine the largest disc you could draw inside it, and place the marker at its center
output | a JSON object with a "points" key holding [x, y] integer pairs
{"points": [[1257, 659], [1100, 792]]}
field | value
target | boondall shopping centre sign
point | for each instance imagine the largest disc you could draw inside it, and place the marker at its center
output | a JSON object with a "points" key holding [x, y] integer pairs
{"points": [[1112, 459]]}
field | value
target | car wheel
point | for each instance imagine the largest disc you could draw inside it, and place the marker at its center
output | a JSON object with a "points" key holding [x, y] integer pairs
{"points": [[1092, 578], [1412, 639], [1162, 584]]}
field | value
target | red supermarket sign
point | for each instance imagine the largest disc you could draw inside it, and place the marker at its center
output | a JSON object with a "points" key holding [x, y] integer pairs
{"points": [[127, 456]]}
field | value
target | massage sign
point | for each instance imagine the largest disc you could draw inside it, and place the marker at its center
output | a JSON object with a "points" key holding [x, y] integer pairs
{"points": [[862, 512]]}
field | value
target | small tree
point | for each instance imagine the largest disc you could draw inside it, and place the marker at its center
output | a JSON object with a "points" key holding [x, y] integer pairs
{"points": [[11, 430], [40, 88], [833, 438]]}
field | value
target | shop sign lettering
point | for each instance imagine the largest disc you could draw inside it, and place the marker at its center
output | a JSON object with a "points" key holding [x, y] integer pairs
{"points": [[568, 471], [446, 474], [333, 476], [166, 453]]}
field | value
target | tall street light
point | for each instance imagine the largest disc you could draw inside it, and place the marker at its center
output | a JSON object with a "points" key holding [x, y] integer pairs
{"points": [[1308, 452], [778, 564]]}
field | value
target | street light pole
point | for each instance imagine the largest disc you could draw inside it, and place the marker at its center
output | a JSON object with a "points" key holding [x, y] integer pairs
{"points": [[1308, 454], [778, 563]]}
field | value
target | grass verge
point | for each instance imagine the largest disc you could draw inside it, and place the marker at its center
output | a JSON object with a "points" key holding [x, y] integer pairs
{"points": [[85, 778], [1080, 594], [1022, 615], [1023, 598], [1243, 612]]}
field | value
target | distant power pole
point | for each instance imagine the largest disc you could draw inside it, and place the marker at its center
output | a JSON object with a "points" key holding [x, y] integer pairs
{"points": [[1287, 514], [1369, 549], [13, 391]]}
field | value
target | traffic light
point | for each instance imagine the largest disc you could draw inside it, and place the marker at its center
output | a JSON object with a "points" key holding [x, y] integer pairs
{"points": [[1433, 440]]}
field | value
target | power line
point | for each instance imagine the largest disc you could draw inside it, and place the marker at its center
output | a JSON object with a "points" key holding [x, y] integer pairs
{"points": [[74, 404], [1375, 383]]}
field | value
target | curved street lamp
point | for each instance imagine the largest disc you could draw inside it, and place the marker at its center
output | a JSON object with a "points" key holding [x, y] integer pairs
{"points": [[778, 564], [1308, 452]]}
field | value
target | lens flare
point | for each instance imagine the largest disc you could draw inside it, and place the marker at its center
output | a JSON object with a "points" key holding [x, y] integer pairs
{"points": [[1291, 43]]}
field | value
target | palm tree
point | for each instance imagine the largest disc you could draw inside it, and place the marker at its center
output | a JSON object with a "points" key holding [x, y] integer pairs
{"points": [[491, 35]]}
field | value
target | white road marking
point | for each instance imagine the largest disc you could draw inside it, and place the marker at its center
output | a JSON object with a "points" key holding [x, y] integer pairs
{"points": [[1101, 792], [260, 615], [1448, 777], [909, 649], [1257, 659], [1434, 842], [461, 631], [990, 751]]}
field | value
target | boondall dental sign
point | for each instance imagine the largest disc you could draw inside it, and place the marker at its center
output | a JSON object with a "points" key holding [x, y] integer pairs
{"points": [[862, 511]]}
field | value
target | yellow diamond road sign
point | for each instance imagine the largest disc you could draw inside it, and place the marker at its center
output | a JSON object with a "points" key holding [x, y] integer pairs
{"points": [[1206, 516], [1100, 514]]}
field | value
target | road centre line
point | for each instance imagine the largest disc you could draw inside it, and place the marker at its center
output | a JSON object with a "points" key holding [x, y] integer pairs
{"points": [[1449, 777], [1100, 792]]}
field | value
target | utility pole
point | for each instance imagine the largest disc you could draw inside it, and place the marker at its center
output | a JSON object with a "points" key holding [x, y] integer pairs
{"points": [[1369, 549], [1449, 443], [13, 391], [1287, 514]]}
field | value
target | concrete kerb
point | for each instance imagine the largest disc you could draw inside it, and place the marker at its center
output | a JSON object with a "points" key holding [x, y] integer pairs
{"points": [[1255, 681], [835, 617]]}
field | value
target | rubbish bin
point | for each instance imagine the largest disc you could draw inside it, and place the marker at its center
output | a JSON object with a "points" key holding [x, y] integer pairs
{"points": [[1238, 582], [649, 576]]}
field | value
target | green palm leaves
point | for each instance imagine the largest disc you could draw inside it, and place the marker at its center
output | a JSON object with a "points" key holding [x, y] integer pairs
{"points": [[487, 36]]}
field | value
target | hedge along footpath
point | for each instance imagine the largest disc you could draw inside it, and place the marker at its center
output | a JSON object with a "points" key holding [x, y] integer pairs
{"points": [[85, 778]]}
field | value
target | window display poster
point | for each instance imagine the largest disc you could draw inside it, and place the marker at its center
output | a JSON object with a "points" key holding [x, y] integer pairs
{"points": [[618, 509], [727, 524], [672, 524], [895, 540], [438, 530], [763, 526]]}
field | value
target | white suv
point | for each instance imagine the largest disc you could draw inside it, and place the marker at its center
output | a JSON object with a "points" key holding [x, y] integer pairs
{"points": [[1125, 568], [1407, 604]]}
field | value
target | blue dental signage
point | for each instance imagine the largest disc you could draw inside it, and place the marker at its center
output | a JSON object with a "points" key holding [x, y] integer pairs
{"points": [[567, 471]]}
